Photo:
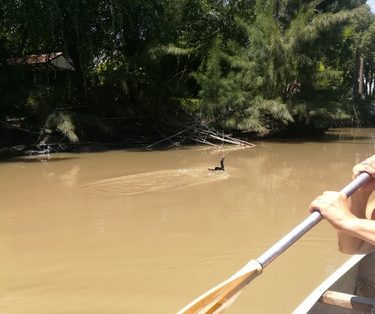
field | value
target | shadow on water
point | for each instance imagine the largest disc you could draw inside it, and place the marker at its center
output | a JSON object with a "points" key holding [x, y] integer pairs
{"points": [[36, 159], [333, 135]]}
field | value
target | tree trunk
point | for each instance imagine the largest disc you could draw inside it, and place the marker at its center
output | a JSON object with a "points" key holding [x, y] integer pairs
{"points": [[356, 75], [371, 80], [360, 78], [276, 9]]}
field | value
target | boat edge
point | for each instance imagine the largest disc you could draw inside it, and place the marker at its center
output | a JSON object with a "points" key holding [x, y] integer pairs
{"points": [[313, 297]]}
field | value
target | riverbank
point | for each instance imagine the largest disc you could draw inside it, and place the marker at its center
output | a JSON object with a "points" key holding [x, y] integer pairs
{"points": [[16, 141], [149, 142]]}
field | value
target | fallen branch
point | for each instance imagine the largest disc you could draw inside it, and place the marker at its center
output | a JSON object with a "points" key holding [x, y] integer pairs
{"points": [[167, 138], [199, 132]]}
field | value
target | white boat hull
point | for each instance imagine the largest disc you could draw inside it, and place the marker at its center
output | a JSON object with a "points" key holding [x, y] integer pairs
{"points": [[353, 281]]}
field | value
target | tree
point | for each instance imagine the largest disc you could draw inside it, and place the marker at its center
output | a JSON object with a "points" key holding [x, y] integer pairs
{"points": [[246, 65], [281, 65]]}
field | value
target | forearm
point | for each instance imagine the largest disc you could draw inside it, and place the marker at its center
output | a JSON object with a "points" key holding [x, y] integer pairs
{"points": [[358, 203], [349, 239], [357, 235]]}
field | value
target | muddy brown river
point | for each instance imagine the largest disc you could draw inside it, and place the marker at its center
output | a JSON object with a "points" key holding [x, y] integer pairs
{"points": [[136, 232]]}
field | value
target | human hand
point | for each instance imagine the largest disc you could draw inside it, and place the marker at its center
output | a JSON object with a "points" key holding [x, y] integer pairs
{"points": [[367, 166], [334, 207]]}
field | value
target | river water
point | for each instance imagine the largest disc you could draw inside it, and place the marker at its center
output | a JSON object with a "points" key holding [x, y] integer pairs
{"points": [[148, 232]]}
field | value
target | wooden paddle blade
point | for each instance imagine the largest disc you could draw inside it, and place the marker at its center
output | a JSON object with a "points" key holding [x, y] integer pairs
{"points": [[220, 297]]}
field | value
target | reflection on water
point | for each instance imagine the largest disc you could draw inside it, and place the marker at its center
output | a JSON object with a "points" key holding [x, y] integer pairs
{"points": [[83, 234], [356, 135]]}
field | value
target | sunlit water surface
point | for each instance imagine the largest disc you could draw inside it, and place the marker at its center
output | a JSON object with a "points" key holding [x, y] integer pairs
{"points": [[147, 232]]}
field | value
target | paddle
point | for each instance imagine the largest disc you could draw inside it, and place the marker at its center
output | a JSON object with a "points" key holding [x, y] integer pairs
{"points": [[223, 295]]}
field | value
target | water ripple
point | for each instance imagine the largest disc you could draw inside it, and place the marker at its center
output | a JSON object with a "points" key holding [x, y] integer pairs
{"points": [[163, 180]]}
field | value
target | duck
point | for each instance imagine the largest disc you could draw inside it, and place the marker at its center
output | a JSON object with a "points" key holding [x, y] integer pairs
{"points": [[221, 168]]}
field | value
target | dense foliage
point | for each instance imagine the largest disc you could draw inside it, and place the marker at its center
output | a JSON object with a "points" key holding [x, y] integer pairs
{"points": [[151, 67]]}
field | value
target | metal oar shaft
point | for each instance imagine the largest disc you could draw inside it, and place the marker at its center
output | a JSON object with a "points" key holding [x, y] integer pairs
{"points": [[315, 217]]}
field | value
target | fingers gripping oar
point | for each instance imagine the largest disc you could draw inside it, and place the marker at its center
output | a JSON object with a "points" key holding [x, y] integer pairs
{"points": [[220, 297]]}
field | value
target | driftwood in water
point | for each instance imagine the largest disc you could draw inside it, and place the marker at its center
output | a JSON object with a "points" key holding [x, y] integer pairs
{"points": [[202, 134]]}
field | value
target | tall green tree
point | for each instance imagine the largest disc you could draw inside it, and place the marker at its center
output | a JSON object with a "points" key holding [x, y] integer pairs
{"points": [[287, 65]]}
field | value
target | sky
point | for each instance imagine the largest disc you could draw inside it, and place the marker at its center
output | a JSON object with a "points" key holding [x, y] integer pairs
{"points": [[371, 3]]}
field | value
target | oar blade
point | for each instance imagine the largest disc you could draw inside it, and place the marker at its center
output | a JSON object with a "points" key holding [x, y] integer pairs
{"points": [[221, 296]]}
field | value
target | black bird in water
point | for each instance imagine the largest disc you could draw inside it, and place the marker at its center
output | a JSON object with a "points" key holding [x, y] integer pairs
{"points": [[218, 168]]}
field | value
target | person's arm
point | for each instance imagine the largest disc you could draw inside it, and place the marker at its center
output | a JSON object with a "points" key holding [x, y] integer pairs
{"points": [[357, 234], [351, 218]]}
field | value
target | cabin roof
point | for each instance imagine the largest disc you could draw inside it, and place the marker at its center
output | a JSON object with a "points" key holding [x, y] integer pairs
{"points": [[45, 62]]}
